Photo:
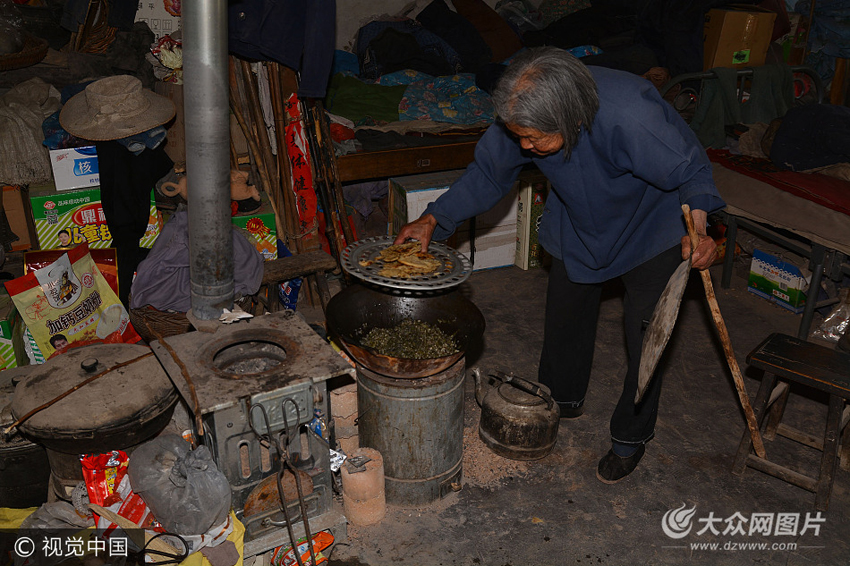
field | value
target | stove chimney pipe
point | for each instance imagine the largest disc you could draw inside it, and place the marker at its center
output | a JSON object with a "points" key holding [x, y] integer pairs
{"points": [[207, 119]]}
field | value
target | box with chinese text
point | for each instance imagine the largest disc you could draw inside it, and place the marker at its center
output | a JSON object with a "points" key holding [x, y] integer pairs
{"points": [[260, 229], [11, 334], [533, 188], [777, 281], [68, 218], [75, 168]]}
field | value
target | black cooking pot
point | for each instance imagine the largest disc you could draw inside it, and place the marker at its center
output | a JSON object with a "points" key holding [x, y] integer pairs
{"points": [[121, 409], [356, 310], [24, 470]]}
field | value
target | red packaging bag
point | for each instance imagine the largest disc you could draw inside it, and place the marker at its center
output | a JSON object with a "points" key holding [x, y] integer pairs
{"points": [[103, 473], [107, 485], [68, 303]]}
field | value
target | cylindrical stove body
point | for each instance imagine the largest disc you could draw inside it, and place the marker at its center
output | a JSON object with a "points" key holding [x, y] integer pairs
{"points": [[24, 473], [24, 470], [417, 426]]}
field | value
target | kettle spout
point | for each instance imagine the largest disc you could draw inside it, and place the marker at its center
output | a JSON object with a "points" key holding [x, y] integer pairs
{"points": [[479, 386]]}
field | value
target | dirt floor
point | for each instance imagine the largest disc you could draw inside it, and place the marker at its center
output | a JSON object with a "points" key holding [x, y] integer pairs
{"points": [[555, 510]]}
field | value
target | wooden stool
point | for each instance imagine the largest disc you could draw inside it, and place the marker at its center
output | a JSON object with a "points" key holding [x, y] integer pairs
{"points": [[788, 358], [277, 271]]}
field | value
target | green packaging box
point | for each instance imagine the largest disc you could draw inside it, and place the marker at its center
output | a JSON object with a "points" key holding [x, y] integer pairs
{"points": [[260, 229], [533, 189], [11, 334], [777, 281], [68, 218]]}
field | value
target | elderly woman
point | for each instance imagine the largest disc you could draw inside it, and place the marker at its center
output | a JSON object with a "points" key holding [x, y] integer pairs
{"points": [[621, 163]]}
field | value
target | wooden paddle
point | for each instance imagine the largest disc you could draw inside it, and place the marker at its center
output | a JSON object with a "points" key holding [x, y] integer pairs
{"points": [[758, 445]]}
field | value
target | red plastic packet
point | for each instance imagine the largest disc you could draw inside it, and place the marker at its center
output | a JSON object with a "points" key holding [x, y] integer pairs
{"points": [[285, 556], [103, 473]]}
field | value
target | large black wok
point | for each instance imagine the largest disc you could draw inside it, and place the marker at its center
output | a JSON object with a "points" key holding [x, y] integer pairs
{"points": [[356, 310]]}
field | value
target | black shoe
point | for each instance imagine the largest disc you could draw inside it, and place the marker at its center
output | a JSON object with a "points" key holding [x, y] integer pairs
{"points": [[613, 468], [568, 412]]}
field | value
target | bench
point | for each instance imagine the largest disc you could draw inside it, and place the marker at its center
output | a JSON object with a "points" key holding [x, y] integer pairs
{"points": [[783, 357]]}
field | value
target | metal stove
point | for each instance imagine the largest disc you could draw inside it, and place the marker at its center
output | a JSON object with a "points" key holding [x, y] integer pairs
{"points": [[253, 380]]}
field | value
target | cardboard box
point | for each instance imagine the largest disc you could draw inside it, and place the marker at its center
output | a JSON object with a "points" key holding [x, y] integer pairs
{"points": [[495, 230], [71, 217], [737, 36], [494, 246], [175, 140], [12, 352], [75, 168], [777, 281], [16, 203], [260, 229], [532, 192], [162, 16]]}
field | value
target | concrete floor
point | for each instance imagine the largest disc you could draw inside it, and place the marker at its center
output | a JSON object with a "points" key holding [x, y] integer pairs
{"points": [[555, 511]]}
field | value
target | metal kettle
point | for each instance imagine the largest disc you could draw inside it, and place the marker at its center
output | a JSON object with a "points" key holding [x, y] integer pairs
{"points": [[519, 419]]}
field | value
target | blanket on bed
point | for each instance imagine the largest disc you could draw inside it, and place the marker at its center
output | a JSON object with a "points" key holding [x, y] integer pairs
{"points": [[826, 191]]}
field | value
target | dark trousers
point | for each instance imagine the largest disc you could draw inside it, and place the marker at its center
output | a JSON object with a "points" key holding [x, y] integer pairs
{"points": [[572, 313]]}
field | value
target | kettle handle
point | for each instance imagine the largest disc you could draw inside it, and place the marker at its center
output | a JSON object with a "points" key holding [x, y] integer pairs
{"points": [[525, 385]]}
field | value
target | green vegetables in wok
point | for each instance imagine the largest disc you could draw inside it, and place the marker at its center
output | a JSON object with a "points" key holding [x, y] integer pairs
{"points": [[411, 339]]}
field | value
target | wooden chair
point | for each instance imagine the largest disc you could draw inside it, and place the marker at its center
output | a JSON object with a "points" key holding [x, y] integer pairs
{"points": [[810, 365]]}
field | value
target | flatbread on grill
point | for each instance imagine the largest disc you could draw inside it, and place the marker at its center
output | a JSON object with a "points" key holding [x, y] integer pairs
{"points": [[423, 261], [392, 253], [405, 261]]}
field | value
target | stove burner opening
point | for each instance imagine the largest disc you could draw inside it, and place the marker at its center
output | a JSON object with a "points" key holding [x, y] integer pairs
{"points": [[249, 357]]}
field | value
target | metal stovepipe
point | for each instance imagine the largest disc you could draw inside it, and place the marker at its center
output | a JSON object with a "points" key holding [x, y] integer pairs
{"points": [[206, 102]]}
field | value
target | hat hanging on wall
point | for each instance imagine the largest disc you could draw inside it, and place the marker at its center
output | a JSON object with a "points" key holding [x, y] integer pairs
{"points": [[114, 108]]}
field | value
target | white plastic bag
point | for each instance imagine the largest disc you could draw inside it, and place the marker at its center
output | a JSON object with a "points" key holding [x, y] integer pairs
{"points": [[835, 324]]}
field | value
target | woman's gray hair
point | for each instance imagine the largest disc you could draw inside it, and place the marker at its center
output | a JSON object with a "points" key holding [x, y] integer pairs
{"points": [[550, 90]]}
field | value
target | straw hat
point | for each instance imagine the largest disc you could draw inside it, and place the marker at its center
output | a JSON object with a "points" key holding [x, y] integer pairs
{"points": [[114, 108]]}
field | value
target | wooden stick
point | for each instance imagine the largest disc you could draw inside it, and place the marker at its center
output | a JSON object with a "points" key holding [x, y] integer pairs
{"points": [[40, 408], [129, 526], [332, 228], [279, 90], [809, 25], [724, 339], [235, 106], [327, 144], [290, 219], [199, 424], [252, 98]]}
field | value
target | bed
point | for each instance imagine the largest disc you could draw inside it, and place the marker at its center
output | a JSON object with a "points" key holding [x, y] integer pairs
{"points": [[432, 123], [806, 213]]}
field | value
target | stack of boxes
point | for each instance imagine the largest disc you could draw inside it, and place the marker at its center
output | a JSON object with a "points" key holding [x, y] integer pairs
{"points": [[494, 235], [68, 211], [505, 235]]}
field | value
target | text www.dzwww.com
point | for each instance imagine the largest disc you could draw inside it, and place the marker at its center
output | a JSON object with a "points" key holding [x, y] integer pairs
{"points": [[736, 546]]}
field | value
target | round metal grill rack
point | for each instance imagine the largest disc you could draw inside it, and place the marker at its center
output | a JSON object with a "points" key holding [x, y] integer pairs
{"points": [[360, 260]]}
